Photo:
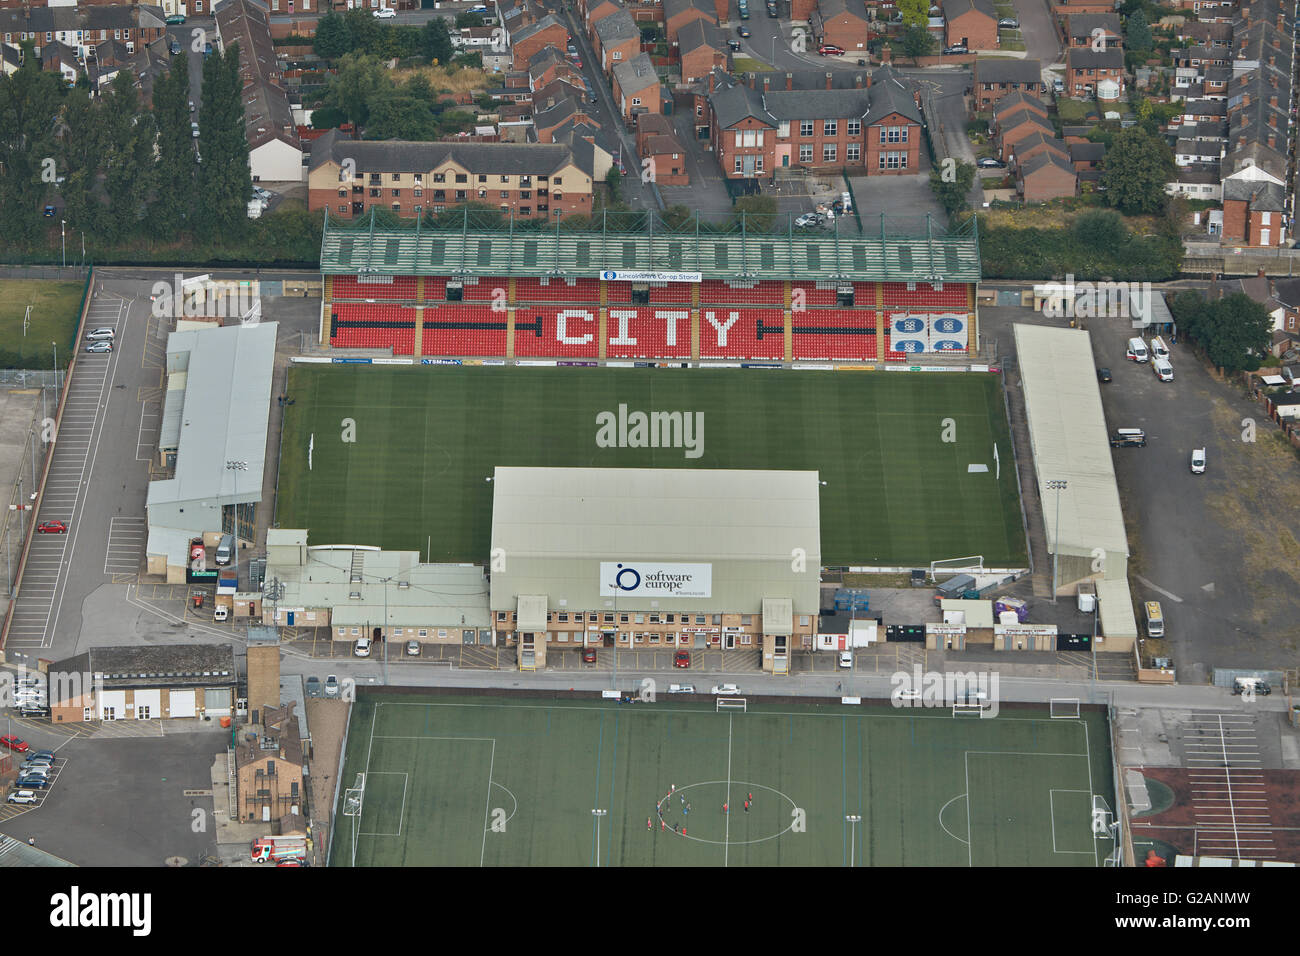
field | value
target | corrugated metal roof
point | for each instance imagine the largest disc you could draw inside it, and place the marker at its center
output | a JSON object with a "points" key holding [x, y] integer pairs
{"points": [[1067, 432]]}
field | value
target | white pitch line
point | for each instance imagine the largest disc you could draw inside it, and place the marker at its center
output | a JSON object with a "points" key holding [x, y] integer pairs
{"points": [[726, 855], [487, 809], [1227, 776]]}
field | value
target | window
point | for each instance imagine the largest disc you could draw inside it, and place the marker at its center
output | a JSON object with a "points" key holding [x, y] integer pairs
{"points": [[419, 177], [805, 154], [525, 194], [654, 618], [636, 101], [854, 152], [343, 207], [804, 620], [397, 193], [699, 619], [737, 167], [747, 620], [505, 179], [618, 54], [805, 127], [397, 177], [717, 620], [855, 127], [462, 178], [482, 179], [783, 130], [505, 194], [758, 164], [439, 177], [557, 180], [622, 618], [609, 618], [640, 618], [668, 619], [343, 193], [828, 153], [460, 195], [829, 127], [419, 193]]}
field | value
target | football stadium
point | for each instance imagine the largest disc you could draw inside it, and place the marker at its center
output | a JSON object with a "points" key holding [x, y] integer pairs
{"points": [[483, 349]]}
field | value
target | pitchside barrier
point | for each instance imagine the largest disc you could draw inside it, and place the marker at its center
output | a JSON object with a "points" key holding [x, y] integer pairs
{"points": [[571, 363]]}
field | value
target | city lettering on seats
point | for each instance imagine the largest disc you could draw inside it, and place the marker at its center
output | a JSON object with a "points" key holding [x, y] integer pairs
{"points": [[651, 430], [570, 330]]}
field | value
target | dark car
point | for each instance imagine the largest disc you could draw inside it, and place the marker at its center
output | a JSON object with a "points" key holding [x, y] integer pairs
{"points": [[734, 45], [31, 783], [771, 10], [313, 686], [990, 162], [743, 30], [175, 19], [1103, 375], [588, 655], [50, 211], [954, 50], [1128, 438], [682, 659]]}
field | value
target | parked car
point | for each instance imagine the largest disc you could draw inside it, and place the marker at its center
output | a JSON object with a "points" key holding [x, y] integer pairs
{"points": [[104, 332], [385, 13], [313, 686], [728, 689], [99, 347], [34, 783], [743, 31], [681, 688], [22, 796], [991, 162], [50, 211], [954, 50], [1103, 375], [220, 613], [175, 19], [1008, 23], [412, 648], [810, 219], [363, 647], [191, 106], [175, 48], [1198, 461], [331, 686], [44, 765], [35, 770], [11, 742], [42, 753], [846, 659], [1126, 437], [194, 129], [771, 10], [734, 46], [830, 49], [52, 527], [588, 655], [682, 659]]}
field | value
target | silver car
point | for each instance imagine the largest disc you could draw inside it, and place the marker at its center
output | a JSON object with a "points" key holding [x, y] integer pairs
{"points": [[331, 686], [101, 333]]}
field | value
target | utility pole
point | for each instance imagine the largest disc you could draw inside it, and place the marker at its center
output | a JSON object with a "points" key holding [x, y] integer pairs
{"points": [[1058, 485]]}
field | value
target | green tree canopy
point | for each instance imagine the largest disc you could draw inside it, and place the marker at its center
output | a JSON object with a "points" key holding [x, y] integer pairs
{"points": [[360, 80], [1235, 331], [952, 190], [334, 36], [917, 42], [435, 41], [916, 13], [1137, 166]]}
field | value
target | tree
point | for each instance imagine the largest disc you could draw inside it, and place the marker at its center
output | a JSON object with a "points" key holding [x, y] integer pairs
{"points": [[468, 19], [1100, 230], [1137, 166], [952, 190], [1138, 33], [917, 43], [29, 104], [225, 183], [1234, 331], [614, 180], [916, 13], [334, 36], [359, 81], [435, 41], [173, 206], [758, 213]]}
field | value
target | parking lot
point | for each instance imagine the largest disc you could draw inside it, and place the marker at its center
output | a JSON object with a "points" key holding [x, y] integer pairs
{"points": [[1216, 549]]}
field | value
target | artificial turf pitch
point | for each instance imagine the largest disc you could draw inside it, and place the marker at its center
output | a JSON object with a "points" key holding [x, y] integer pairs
{"points": [[490, 781], [893, 450]]}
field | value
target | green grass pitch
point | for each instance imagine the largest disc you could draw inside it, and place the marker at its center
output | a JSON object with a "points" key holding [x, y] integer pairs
{"points": [[512, 782], [893, 449]]}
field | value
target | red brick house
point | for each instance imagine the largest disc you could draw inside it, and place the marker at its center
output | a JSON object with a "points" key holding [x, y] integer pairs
{"points": [[1086, 156], [971, 23], [994, 79], [1035, 143], [1015, 126], [1254, 213], [534, 38], [874, 126], [618, 39], [1047, 176], [1086, 67], [841, 22], [1084, 29], [657, 142], [81, 28], [703, 48], [549, 65], [636, 88], [678, 13]]}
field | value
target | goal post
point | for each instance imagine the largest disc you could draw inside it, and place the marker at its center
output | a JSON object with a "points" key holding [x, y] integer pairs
{"points": [[973, 562], [733, 703], [1064, 708], [978, 709]]}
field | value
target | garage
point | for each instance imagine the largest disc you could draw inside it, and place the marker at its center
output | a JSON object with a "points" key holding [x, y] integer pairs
{"points": [[182, 703], [148, 704], [112, 705], [217, 701]]}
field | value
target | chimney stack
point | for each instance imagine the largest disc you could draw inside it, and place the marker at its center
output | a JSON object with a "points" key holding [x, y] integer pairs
{"points": [[766, 82], [712, 79], [789, 81], [1272, 120], [1272, 141], [857, 81], [829, 77]]}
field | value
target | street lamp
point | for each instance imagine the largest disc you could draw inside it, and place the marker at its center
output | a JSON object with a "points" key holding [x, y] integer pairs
{"points": [[596, 815], [56, 365], [235, 467], [63, 241], [853, 819], [1058, 485]]}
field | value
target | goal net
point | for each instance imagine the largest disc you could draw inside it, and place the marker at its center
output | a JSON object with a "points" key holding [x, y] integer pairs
{"points": [[354, 797], [733, 703], [1064, 707], [971, 563], [970, 709]]}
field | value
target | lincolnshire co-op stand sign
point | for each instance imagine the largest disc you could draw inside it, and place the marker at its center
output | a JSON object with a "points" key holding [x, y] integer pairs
{"points": [[636, 579]]}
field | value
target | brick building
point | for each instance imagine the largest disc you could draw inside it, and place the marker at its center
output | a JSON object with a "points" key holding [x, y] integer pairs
{"points": [[971, 23], [842, 23], [409, 178], [82, 27], [636, 88], [618, 40], [703, 48], [1254, 213], [535, 37], [678, 13], [657, 142], [994, 79], [1047, 176], [1085, 68], [268, 766], [1086, 29]]}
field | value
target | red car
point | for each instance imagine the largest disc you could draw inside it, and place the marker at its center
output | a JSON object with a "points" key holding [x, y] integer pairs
{"points": [[52, 527], [13, 743], [588, 655], [682, 659], [830, 49]]}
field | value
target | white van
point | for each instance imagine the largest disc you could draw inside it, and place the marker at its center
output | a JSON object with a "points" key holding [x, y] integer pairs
{"points": [[226, 549], [1159, 349], [1137, 350], [1164, 371]]}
